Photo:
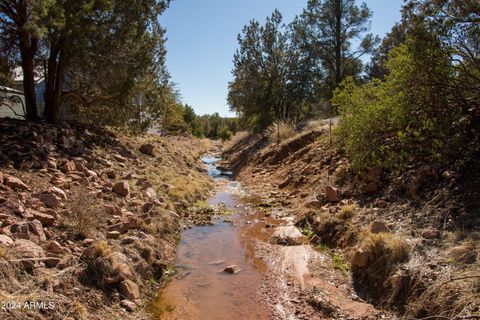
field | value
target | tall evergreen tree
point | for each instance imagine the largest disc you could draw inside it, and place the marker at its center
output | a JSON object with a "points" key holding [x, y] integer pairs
{"points": [[329, 27]]}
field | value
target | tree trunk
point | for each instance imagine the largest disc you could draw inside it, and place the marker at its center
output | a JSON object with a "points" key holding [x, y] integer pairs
{"points": [[28, 48], [28, 81], [56, 77], [338, 42]]}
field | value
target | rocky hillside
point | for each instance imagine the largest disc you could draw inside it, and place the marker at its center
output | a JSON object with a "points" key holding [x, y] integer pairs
{"points": [[89, 218], [409, 240]]}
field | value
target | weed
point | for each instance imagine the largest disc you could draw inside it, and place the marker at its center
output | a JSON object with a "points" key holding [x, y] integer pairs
{"points": [[280, 131], [339, 264]]}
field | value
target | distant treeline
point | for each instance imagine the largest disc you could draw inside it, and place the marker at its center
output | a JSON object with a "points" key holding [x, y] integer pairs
{"points": [[182, 119]]}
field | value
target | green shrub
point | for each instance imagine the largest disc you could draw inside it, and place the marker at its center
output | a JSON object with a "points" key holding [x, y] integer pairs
{"points": [[405, 119]]}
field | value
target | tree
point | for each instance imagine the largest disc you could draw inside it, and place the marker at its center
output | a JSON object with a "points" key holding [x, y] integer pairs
{"points": [[82, 34], [99, 54], [377, 67], [328, 28], [21, 26], [273, 77]]}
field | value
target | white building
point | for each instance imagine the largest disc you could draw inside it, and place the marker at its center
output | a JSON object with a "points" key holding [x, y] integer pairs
{"points": [[39, 87]]}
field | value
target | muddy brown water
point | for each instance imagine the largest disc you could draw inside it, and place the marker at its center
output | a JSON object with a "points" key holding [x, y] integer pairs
{"points": [[200, 289]]}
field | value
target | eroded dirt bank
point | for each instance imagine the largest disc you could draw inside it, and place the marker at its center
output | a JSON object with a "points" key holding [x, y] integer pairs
{"points": [[89, 218], [406, 243]]}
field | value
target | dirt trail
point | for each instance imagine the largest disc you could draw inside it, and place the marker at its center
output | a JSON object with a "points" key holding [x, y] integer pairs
{"points": [[275, 281]]}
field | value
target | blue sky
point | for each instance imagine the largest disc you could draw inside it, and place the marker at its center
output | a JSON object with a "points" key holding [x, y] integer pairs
{"points": [[202, 38]]}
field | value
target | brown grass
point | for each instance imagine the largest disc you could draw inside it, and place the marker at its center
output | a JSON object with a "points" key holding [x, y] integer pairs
{"points": [[453, 295], [280, 131], [347, 211], [386, 253], [85, 214]]}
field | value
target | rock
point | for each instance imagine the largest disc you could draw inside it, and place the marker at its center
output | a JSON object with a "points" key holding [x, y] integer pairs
{"points": [[430, 233], [360, 258], [44, 218], [50, 200], [371, 187], [52, 164], [121, 227], [111, 174], [128, 305], [16, 183], [147, 207], [129, 240], [36, 228], [284, 183], [288, 235], [54, 247], [6, 241], [314, 204], [447, 175], [20, 230], [129, 290], [113, 234], [151, 193], [332, 194], [147, 149], [1, 177], [233, 269], [68, 167], [380, 203], [374, 174], [315, 239], [59, 193], [51, 262], [29, 252], [119, 158], [378, 227], [121, 188]]}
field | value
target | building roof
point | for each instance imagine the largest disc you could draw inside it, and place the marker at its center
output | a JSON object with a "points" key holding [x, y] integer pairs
{"points": [[18, 74]]}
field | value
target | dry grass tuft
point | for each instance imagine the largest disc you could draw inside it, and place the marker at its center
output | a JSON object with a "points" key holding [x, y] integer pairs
{"points": [[465, 253], [85, 215], [347, 211], [280, 131], [385, 252], [451, 296]]}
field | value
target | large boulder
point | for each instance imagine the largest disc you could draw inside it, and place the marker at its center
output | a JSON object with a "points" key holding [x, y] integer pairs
{"points": [[147, 149], [121, 188], [288, 235], [16, 183]]}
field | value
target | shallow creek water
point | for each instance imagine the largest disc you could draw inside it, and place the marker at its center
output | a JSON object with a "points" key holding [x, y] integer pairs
{"points": [[201, 290]]}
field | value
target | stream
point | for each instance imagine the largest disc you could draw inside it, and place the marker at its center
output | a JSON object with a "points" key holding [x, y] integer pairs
{"points": [[201, 289]]}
